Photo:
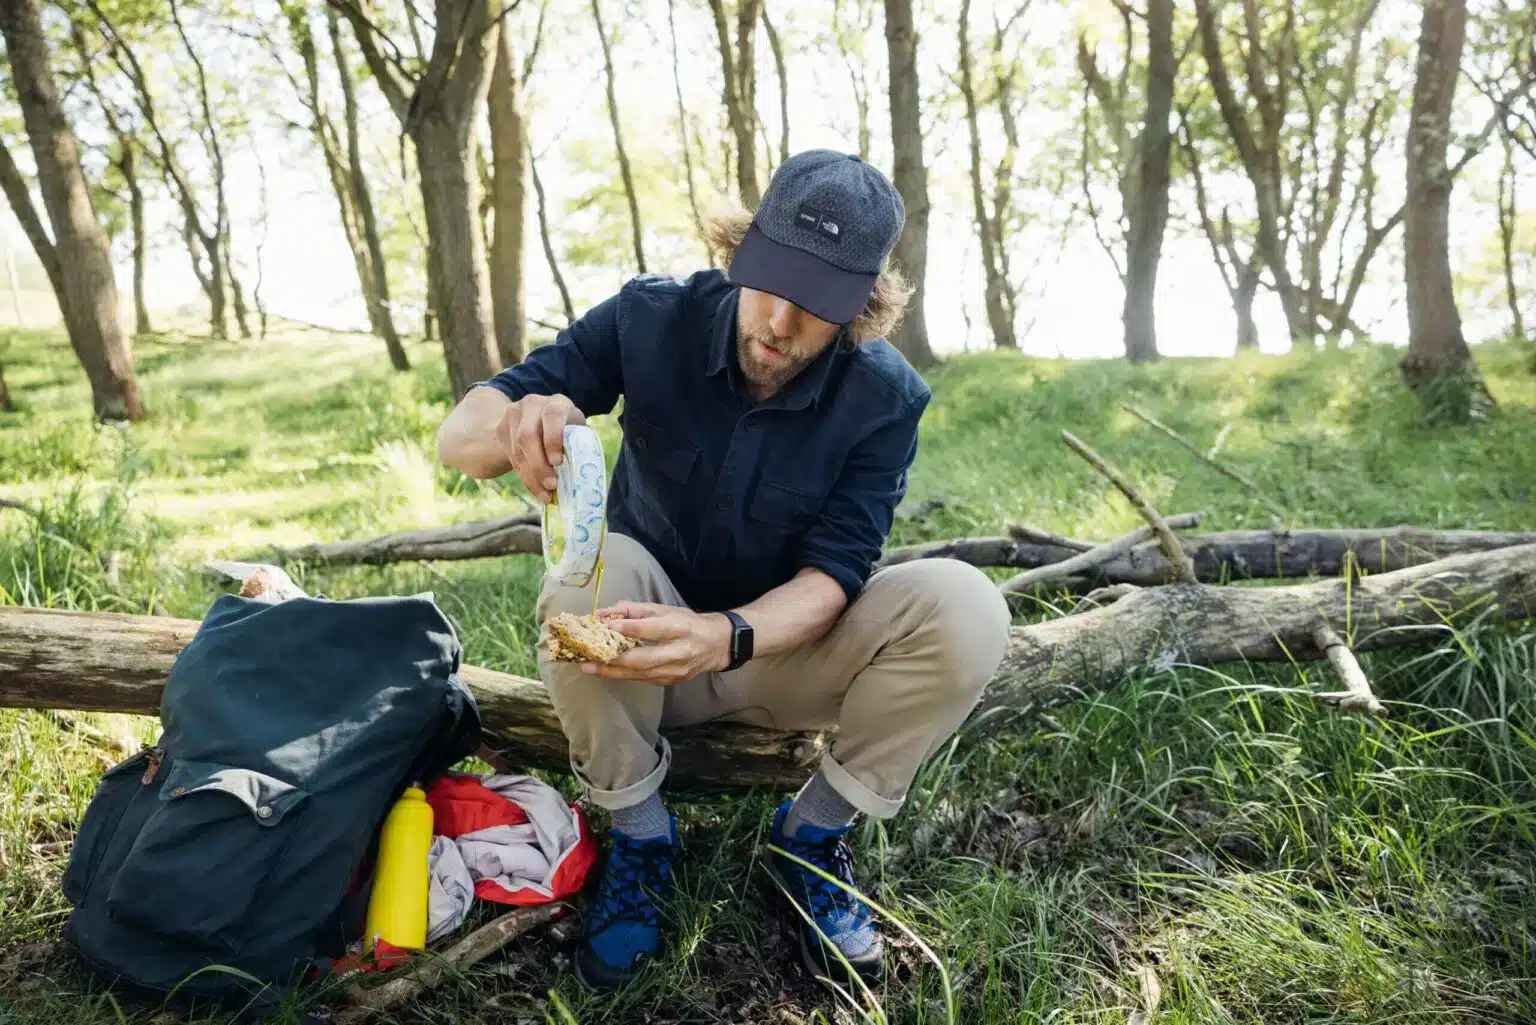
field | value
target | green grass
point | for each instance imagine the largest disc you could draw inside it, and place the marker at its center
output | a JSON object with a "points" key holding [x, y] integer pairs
{"points": [[1267, 859]]}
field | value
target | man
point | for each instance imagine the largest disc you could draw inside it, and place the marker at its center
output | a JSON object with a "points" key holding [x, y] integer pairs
{"points": [[768, 432]]}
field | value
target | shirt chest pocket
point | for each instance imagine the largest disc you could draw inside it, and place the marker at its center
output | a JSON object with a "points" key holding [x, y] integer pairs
{"points": [[782, 508], [663, 464]]}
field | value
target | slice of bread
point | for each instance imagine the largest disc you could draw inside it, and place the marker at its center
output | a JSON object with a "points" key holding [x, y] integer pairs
{"points": [[575, 638]]}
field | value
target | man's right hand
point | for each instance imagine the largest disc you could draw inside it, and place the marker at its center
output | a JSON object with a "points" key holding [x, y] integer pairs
{"points": [[532, 434]]}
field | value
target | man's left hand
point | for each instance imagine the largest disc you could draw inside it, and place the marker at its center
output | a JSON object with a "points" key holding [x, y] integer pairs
{"points": [[679, 644]]}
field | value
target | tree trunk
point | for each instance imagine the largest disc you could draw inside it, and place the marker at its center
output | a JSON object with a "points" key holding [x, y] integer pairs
{"points": [[438, 112], [1149, 213], [129, 166], [997, 317], [778, 64], [1438, 366], [509, 187], [105, 661], [618, 139], [910, 177], [236, 291], [89, 291], [1242, 304], [1508, 218], [683, 136], [739, 73], [376, 293], [220, 259], [549, 242], [456, 263]]}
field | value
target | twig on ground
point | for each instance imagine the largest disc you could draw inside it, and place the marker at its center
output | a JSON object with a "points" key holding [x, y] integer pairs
{"points": [[6, 503], [1221, 439], [1093, 557], [431, 969], [1184, 569], [1358, 696], [1209, 459], [1024, 532]]}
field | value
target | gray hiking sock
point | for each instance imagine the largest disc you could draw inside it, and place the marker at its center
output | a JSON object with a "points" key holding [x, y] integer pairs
{"points": [[647, 820], [818, 805]]}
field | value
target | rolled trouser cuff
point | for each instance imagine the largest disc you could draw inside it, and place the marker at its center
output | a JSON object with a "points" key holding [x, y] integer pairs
{"points": [[857, 794], [628, 797]]}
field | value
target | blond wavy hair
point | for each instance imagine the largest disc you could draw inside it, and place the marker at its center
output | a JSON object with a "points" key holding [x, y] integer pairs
{"points": [[726, 226]]}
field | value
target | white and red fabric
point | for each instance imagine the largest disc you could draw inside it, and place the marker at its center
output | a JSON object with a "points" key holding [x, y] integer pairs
{"points": [[506, 839]]}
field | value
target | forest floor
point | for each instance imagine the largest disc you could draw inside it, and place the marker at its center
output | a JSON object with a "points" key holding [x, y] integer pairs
{"points": [[1264, 858]]}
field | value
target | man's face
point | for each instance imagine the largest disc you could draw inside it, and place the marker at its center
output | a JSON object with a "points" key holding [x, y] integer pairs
{"points": [[775, 340]]}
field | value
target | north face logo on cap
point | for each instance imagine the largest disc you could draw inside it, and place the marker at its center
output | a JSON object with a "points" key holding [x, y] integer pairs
{"points": [[820, 222]]}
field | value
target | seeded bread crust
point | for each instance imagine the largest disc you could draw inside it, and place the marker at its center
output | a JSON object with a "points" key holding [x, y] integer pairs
{"points": [[575, 638]]}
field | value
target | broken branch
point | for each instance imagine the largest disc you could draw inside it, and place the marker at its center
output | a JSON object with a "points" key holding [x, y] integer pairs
{"points": [[1357, 695], [428, 970], [1024, 532], [1091, 558], [1209, 459], [1183, 569]]}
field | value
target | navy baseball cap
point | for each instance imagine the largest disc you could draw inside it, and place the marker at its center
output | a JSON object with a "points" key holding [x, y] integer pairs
{"points": [[821, 235]]}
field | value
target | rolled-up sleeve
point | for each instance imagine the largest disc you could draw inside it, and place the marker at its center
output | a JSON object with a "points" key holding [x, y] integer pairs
{"points": [[855, 520], [582, 363]]}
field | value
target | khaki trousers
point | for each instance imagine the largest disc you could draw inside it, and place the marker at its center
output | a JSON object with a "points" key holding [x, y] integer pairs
{"points": [[897, 675]]}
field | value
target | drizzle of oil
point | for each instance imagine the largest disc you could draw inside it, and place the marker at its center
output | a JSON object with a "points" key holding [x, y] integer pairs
{"points": [[597, 586]]}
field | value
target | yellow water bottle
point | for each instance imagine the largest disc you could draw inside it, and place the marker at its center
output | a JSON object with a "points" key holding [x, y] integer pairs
{"points": [[397, 908]]}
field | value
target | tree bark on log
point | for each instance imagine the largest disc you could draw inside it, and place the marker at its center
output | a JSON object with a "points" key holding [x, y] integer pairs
{"points": [[512, 535], [1232, 555], [101, 661]]}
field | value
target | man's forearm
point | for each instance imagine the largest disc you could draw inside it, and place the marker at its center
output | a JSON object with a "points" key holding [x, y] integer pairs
{"points": [[794, 613], [468, 439]]}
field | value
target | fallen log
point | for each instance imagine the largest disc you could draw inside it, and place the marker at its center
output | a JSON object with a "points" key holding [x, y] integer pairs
{"points": [[114, 662], [509, 535], [1224, 556], [1201, 624]]}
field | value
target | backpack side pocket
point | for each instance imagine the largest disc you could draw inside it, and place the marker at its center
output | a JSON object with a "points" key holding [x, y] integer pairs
{"points": [[200, 859], [103, 814]]}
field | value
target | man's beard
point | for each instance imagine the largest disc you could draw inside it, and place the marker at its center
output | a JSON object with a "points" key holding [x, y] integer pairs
{"points": [[767, 373]]}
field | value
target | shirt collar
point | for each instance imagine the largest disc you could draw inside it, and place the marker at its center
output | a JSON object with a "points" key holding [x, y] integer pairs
{"points": [[809, 385]]}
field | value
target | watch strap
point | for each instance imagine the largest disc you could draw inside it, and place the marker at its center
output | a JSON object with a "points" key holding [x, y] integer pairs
{"points": [[741, 640]]}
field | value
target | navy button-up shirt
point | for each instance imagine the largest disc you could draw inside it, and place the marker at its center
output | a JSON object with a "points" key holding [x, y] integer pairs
{"points": [[734, 496]]}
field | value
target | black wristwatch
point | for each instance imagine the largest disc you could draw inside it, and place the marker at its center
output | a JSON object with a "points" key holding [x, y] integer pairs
{"points": [[741, 641]]}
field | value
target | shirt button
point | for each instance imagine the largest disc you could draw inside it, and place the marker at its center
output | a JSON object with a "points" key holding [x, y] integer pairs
{"points": [[640, 443], [264, 812], [178, 791]]}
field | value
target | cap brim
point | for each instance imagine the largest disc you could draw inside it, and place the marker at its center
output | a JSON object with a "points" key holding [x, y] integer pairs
{"points": [[811, 283]]}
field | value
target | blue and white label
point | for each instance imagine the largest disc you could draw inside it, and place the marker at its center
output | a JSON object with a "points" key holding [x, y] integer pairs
{"points": [[573, 544]]}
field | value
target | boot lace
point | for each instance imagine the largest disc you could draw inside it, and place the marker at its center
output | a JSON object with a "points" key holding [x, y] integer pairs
{"points": [[637, 872]]}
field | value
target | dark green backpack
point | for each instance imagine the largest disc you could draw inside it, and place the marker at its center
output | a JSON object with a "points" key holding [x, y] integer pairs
{"points": [[238, 847]]}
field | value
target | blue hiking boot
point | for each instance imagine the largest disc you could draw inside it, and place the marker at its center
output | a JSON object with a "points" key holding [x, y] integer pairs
{"points": [[840, 918], [621, 927]]}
